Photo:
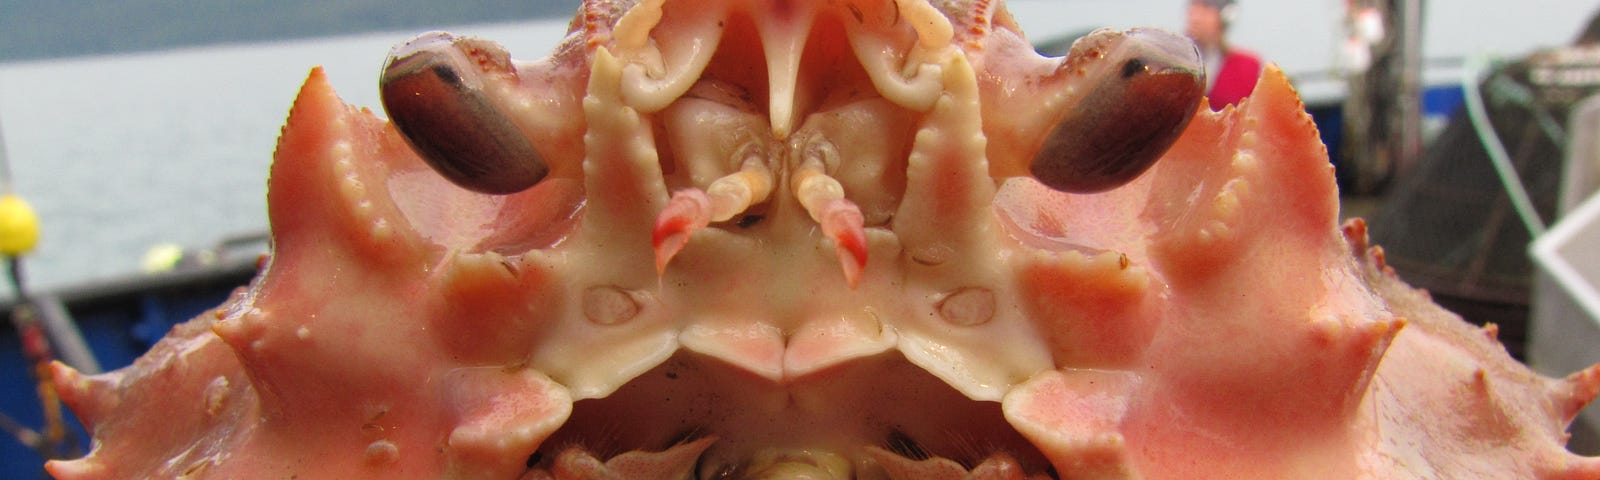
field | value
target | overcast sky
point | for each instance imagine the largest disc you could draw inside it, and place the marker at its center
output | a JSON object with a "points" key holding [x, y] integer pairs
{"points": [[1301, 34]]}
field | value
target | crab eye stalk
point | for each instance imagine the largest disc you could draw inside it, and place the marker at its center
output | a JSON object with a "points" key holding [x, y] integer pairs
{"points": [[433, 90], [1140, 90]]}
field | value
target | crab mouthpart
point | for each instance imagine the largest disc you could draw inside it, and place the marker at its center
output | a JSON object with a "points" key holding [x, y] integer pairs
{"points": [[876, 418], [831, 198]]}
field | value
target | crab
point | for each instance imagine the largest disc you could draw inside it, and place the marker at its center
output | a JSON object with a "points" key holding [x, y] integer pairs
{"points": [[817, 239]]}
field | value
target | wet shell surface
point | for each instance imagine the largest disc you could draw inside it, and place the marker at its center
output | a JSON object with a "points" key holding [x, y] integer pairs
{"points": [[817, 239]]}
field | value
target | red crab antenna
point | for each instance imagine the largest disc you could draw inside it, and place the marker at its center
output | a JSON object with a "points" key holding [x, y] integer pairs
{"points": [[840, 218], [692, 209], [687, 211]]}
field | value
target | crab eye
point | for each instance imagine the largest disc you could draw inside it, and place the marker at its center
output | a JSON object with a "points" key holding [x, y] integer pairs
{"points": [[1143, 86], [432, 88]]}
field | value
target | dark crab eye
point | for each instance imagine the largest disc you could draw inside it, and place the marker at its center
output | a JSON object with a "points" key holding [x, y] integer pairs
{"points": [[432, 88], [1139, 91]]}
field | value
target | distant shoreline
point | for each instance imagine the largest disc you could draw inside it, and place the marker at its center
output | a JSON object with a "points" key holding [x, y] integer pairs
{"points": [[46, 29]]}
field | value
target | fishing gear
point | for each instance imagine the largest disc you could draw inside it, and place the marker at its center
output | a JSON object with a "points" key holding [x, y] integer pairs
{"points": [[19, 234]]}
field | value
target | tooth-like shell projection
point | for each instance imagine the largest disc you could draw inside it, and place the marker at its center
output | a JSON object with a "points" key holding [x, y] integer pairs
{"points": [[800, 239]]}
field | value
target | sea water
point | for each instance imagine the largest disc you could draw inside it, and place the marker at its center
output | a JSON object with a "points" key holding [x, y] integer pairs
{"points": [[120, 154]]}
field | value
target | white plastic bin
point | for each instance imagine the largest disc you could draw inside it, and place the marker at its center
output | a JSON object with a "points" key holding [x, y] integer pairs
{"points": [[1564, 334]]}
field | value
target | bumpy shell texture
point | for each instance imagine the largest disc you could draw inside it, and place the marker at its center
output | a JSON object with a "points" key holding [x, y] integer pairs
{"points": [[803, 239]]}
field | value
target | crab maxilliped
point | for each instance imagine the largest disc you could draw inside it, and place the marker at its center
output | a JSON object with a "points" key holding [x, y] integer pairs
{"points": [[817, 239]]}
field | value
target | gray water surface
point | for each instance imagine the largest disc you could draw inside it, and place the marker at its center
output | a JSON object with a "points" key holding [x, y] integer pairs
{"points": [[118, 154]]}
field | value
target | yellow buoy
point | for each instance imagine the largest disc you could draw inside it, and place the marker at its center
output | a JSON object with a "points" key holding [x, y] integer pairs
{"points": [[162, 258], [19, 227]]}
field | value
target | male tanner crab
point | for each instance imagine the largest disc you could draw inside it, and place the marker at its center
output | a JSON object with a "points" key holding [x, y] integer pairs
{"points": [[625, 262]]}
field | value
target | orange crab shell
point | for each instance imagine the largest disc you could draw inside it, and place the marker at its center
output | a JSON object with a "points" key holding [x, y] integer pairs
{"points": [[1208, 320]]}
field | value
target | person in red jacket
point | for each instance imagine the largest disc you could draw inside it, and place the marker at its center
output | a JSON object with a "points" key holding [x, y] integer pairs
{"points": [[1231, 73]]}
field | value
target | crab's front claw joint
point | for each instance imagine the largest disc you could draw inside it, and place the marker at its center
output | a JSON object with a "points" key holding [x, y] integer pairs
{"points": [[1137, 91], [438, 89]]}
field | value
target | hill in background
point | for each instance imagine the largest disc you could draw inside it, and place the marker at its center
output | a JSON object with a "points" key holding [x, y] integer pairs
{"points": [[34, 29]]}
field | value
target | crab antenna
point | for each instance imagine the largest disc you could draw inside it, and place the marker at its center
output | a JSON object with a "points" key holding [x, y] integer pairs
{"points": [[840, 218], [692, 209]]}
